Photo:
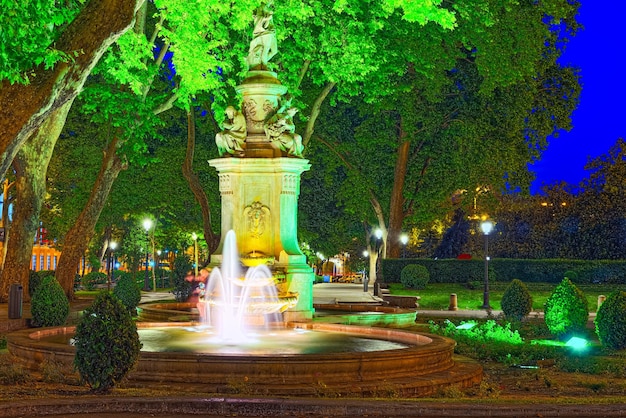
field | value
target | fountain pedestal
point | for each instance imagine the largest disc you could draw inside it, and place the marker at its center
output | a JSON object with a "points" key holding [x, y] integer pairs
{"points": [[260, 204]]}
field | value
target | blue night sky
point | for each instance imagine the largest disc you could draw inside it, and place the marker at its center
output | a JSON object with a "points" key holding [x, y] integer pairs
{"points": [[599, 51]]}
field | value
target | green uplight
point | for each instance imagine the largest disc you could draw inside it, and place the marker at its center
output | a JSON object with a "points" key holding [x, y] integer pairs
{"points": [[576, 343]]}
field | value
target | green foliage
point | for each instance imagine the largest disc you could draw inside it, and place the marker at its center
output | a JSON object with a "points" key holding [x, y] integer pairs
{"points": [[484, 332], [611, 321], [566, 312], [528, 271], [516, 301], [490, 341], [572, 275], [49, 305], [128, 292], [35, 278], [107, 343], [414, 276], [93, 278], [29, 30], [180, 269]]}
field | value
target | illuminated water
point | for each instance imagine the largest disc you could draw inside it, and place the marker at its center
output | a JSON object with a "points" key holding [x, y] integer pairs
{"points": [[281, 341]]}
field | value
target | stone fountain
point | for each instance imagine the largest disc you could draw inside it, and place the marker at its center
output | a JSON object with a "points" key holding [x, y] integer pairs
{"points": [[259, 172], [259, 176]]}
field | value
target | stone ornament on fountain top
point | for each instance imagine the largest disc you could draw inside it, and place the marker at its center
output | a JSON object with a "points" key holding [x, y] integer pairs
{"points": [[266, 108], [263, 45]]}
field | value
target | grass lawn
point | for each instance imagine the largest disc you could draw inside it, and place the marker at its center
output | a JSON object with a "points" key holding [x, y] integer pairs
{"points": [[437, 295]]}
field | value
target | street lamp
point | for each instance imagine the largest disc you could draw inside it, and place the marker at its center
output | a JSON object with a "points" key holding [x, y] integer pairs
{"points": [[111, 263], [147, 224], [486, 227], [404, 240], [194, 236]]}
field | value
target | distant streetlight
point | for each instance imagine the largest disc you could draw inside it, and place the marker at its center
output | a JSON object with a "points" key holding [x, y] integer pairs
{"points": [[194, 237], [486, 227], [147, 225], [404, 240]]}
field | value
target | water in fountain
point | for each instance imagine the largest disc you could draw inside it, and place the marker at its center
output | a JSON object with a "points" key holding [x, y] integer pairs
{"points": [[232, 302]]}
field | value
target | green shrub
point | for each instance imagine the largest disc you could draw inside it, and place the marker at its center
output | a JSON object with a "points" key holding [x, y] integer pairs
{"points": [[91, 279], [414, 276], [128, 292], [611, 321], [572, 275], [505, 269], [181, 268], [566, 311], [35, 278], [516, 300], [107, 343], [49, 306]]}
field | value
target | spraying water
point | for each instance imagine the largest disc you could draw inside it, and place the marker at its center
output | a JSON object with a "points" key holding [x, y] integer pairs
{"points": [[233, 303]]}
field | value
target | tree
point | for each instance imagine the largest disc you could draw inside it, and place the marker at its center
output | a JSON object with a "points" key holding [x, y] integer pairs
{"points": [[46, 76], [480, 105], [58, 64]]}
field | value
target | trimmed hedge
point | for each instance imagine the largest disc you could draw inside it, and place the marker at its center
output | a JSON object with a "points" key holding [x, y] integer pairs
{"points": [[505, 270]]}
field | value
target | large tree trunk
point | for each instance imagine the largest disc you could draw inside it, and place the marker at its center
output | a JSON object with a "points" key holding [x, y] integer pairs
{"points": [[194, 184], [23, 108], [31, 165], [77, 239], [396, 205]]}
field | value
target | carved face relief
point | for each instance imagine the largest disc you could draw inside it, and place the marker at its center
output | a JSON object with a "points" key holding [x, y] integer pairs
{"points": [[257, 216]]}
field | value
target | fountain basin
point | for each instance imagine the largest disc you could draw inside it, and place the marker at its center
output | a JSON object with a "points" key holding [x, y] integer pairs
{"points": [[421, 369]]}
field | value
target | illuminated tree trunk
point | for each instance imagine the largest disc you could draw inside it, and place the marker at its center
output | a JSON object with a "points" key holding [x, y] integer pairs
{"points": [[26, 107], [77, 238], [396, 206], [194, 184], [31, 165]]}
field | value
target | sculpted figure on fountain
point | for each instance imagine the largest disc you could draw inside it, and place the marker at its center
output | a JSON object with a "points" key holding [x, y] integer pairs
{"points": [[230, 140], [263, 45], [281, 130]]}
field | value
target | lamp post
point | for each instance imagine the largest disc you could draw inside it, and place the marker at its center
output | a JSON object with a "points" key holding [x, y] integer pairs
{"points": [[486, 227], [404, 240], [147, 224], [194, 236], [111, 263]]}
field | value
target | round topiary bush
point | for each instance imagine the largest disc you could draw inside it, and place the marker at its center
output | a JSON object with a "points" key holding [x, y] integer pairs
{"points": [[611, 321], [128, 292], [107, 343], [566, 310], [516, 301], [414, 276], [572, 275], [49, 306]]}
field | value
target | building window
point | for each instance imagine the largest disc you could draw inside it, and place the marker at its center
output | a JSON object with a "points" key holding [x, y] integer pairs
{"points": [[48, 262], [34, 266], [41, 262], [54, 267]]}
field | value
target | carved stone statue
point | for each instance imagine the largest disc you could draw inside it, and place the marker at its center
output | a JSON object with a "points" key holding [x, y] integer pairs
{"points": [[231, 139], [281, 130], [263, 45]]}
